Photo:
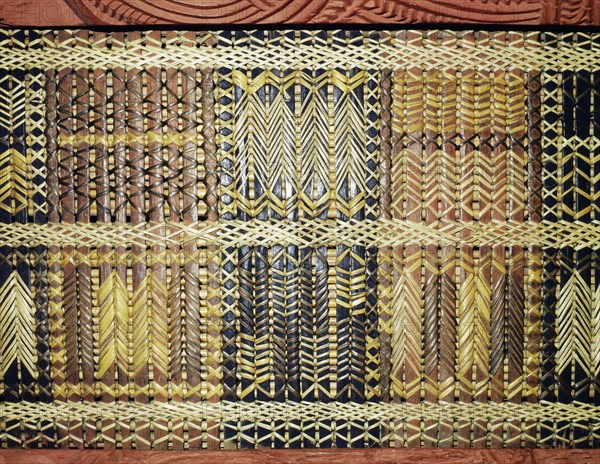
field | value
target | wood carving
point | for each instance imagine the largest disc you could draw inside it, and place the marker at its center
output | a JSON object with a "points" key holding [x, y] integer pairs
{"points": [[372, 456], [164, 12]]}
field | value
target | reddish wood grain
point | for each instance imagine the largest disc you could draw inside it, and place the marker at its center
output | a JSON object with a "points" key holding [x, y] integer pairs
{"points": [[566, 457], [332, 456], [48, 13]]}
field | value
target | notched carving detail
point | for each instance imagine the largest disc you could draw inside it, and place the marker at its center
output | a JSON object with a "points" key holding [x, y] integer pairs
{"points": [[146, 12]]}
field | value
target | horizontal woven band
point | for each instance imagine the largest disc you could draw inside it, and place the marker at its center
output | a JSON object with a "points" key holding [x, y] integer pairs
{"points": [[309, 233], [297, 54], [299, 420]]}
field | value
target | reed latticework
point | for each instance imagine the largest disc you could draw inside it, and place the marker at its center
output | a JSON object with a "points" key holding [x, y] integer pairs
{"points": [[299, 239]]}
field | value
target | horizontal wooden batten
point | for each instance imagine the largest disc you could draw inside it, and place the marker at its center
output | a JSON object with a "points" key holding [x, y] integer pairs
{"points": [[53, 13], [332, 456]]}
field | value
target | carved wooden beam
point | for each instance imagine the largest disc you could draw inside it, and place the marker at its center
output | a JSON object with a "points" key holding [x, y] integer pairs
{"points": [[336, 456], [51, 13]]}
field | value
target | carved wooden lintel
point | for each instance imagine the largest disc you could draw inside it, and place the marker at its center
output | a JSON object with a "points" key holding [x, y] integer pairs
{"points": [[334, 456], [52, 13]]}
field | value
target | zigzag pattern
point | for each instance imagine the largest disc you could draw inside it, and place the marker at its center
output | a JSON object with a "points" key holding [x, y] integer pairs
{"points": [[17, 323], [269, 160], [14, 168], [573, 330]]}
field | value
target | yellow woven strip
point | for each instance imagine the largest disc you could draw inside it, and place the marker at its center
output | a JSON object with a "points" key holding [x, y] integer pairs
{"points": [[111, 140], [372, 141], [279, 177], [140, 327], [13, 181], [158, 329], [250, 120], [495, 175], [325, 415], [142, 52], [328, 374], [214, 324], [573, 328], [552, 162], [56, 318], [17, 327], [407, 184], [595, 345], [312, 233], [113, 324], [347, 133], [15, 169], [227, 258], [533, 309], [516, 331], [36, 141]]}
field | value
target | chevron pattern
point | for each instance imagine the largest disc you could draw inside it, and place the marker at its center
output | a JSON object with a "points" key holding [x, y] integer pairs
{"points": [[18, 326], [13, 193], [13, 158], [290, 238]]}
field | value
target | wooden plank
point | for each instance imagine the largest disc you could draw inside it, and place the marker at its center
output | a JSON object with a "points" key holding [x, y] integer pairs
{"points": [[332, 456], [580, 456], [48, 13]]}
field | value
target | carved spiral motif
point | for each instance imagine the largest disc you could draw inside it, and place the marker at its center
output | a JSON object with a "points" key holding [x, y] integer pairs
{"points": [[305, 11], [223, 12], [191, 11]]}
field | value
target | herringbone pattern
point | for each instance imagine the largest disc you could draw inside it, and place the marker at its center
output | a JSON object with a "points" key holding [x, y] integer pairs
{"points": [[299, 238]]}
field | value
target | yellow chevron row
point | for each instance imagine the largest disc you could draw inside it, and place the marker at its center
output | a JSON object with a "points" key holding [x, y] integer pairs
{"points": [[573, 328], [14, 172], [140, 325], [17, 326], [113, 313], [159, 328]]}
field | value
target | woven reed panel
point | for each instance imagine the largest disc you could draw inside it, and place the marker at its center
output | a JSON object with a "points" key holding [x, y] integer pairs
{"points": [[299, 239]]}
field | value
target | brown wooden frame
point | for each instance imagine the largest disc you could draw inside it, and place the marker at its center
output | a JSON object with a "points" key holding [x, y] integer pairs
{"points": [[331, 456], [59, 13], [53, 13]]}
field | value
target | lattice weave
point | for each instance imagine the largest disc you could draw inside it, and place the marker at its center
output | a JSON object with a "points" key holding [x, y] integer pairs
{"points": [[299, 238]]}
